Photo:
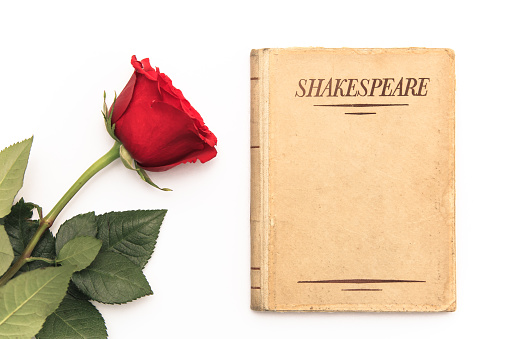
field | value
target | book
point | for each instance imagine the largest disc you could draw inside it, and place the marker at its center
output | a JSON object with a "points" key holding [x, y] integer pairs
{"points": [[352, 180]]}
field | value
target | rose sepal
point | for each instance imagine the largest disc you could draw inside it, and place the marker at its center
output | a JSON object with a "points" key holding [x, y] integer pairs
{"points": [[144, 176], [107, 117], [127, 159], [131, 164]]}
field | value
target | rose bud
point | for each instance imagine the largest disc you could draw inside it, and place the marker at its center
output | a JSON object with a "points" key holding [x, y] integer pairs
{"points": [[156, 124]]}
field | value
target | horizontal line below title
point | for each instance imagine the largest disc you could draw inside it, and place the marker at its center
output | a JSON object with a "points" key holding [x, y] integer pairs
{"points": [[359, 281], [361, 105]]}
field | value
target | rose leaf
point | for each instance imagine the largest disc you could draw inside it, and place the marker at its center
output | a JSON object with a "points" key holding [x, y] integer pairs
{"points": [[6, 253], [80, 252], [74, 319], [112, 279], [131, 233], [79, 225], [29, 298], [13, 163]]}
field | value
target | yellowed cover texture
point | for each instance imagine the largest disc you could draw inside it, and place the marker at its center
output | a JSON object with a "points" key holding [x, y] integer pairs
{"points": [[352, 205]]}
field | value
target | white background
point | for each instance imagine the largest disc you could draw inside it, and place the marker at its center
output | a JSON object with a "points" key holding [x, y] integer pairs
{"points": [[57, 58]]}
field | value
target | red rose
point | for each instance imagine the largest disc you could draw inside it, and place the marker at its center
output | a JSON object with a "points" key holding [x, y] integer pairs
{"points": [[157, 125]]}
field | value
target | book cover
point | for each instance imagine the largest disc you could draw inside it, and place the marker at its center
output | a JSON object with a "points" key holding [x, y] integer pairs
{"points": [[352, 180]]}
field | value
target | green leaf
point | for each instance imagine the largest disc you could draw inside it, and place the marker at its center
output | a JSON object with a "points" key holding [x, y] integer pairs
{"points": [[13, 163], [112, 279], [75, 292], [131, 233], [6, 253], [20, 229], [80, 225], [80, 252], [28, 299], [74, 319]]}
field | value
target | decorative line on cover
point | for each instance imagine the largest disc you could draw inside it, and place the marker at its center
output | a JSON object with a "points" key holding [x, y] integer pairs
{"points": [[359, 281], [362, 105]]}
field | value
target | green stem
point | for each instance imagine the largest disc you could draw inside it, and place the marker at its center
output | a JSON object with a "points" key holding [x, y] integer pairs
{"points": [[104, 161], [45, 223], [49, 261]]}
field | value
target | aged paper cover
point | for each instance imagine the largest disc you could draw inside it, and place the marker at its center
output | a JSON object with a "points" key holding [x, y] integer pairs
{"points": [[353, 180]]}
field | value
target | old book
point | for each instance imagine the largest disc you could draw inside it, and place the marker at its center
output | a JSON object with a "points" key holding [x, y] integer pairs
{"points": [[352, 180]]}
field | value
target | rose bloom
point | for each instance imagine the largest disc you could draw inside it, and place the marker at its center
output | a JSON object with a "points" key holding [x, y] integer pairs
{"points": [[157, 125]]}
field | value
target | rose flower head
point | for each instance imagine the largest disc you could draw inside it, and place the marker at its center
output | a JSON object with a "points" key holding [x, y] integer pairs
{"points": [[157, 126]]}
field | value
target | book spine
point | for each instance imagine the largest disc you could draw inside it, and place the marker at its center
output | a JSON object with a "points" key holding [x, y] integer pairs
{"points": [[259, 156]]}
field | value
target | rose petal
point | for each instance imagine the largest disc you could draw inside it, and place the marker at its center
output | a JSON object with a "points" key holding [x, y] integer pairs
{"points": [[123, 99], [164, 138], [143, 67], [203, 156], [175, 97]]}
